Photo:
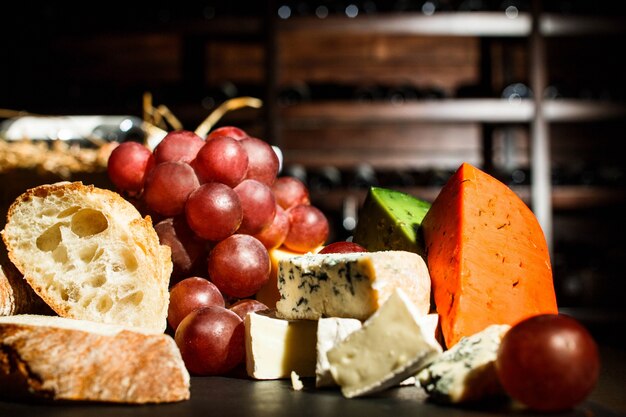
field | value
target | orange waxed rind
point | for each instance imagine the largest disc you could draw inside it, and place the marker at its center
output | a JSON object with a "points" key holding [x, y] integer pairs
{"points": [[487, 256]]}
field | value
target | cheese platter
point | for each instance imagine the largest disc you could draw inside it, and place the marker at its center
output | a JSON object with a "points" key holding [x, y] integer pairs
{"points": [[431, 308]]}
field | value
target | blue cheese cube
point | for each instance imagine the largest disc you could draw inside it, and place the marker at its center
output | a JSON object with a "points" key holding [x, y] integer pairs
{"points": [[351, 285], [466, 372]]}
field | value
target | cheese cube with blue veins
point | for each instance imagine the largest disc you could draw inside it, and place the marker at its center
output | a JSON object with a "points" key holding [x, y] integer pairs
{"points": [[351, 285], [466, 372]]}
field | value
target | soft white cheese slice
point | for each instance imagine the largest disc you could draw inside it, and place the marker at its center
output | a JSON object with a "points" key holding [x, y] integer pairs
{"points": [[466, 372], [275, 347], [392, 345], [352, 285], [330, 331]]}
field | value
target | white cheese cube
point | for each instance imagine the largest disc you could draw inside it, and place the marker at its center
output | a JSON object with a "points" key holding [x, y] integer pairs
{"points": [[352, 285], [466, 372], [275, 347], [330, 331], [392, 345]]}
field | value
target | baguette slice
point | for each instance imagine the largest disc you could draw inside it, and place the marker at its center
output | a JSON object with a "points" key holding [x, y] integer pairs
{"points": [[16, 296], [89, 254], [56, 358]]}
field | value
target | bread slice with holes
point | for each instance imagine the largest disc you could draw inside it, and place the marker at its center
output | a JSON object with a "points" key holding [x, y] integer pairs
{"points": [[89, 254], [56, 358]]}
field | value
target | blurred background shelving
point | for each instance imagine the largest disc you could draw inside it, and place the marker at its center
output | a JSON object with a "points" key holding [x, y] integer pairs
{"points": [[395, 93]]}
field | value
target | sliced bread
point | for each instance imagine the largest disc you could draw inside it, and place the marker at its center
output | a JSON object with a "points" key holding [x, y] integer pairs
{"points": [[56, 358], [16, 296], [89, 254]]}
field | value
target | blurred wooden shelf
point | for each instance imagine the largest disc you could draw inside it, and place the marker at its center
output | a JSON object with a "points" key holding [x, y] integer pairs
{"points": [[481, 24], [563, 197], [447, 110]]}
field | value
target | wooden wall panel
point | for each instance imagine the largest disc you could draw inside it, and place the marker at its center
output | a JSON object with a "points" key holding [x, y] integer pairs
{"points": [[414, 146], [237, 62], [123, 58], [444, 62]]}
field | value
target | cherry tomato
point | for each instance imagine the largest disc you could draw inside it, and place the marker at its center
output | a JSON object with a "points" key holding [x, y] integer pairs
{"points": [[548, 362]]}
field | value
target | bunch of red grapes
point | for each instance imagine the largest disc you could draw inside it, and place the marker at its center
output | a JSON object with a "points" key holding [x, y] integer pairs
{"points": [[220, 205]]}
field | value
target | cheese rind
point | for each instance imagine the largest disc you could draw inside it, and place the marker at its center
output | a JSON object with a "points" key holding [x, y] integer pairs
{"points": [[391, 346], [352, 285], [275, 347], [391, 220], [466, 372], [330, 332]]}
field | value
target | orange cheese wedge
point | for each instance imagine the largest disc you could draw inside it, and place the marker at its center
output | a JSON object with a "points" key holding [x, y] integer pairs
{"points": [[487, 256]]}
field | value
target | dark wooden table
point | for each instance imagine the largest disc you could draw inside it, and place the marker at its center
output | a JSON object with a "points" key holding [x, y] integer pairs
{"points": [[232, 397]]}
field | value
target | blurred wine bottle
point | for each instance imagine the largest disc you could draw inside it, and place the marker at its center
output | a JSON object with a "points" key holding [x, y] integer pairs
{"points": [[512, 8], [362, 176], [324, 179], [402, 93], [473, 6], [329, 91], [294, 94], [298, 171], [369, 93], [396, 178], [438, 176], [516, 92], [218, 94]]}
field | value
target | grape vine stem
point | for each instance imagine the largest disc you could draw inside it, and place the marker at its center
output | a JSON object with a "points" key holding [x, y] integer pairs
{"points": [[229, 105]]}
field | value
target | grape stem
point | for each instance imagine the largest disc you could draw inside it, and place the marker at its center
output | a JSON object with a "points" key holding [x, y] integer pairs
{"points": [[229, 105]]}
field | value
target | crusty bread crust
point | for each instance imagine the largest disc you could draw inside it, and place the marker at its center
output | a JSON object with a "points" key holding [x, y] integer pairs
{"points": [[89, 254], [53, 358], [16, 296]]}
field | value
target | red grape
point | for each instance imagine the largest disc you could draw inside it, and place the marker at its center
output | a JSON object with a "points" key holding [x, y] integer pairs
{"points": [[247, 305], [230, 131], [211, 340], [213, 211], [548, 362], [221, 159], [290, 191], [191, 294], [178, 146], [343, 247], [308, 228], [167, 187], [128, 165], [274, 235], [239, 265], [187, 249], [258, 205], [263, 162]]}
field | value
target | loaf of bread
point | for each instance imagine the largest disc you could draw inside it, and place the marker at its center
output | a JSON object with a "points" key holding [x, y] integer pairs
{"points": [[55, 358], [89, 254]]}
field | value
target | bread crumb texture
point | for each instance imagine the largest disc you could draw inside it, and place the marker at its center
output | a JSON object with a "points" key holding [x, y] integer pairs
{"points": [[89, 254]]}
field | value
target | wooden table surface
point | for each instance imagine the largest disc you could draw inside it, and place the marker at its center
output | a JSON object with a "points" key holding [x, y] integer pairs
{"points": [[232, 397]]}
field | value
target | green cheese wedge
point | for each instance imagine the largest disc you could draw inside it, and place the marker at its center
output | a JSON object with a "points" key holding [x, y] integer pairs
{"points": [[391, 220]]}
